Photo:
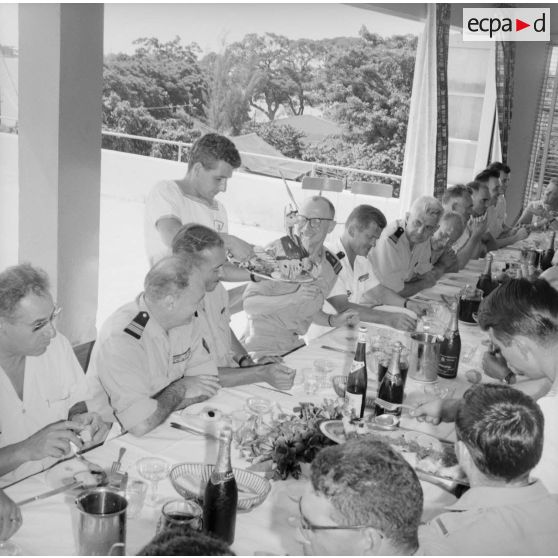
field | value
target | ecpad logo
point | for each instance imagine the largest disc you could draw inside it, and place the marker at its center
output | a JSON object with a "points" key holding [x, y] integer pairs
{"points": [[506, 24]]}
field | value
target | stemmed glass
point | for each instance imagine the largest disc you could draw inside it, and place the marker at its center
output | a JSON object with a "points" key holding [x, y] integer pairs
{"points": [[8, 548], [153, 469]]}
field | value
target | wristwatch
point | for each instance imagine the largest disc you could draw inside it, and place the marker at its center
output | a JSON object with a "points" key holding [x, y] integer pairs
{"points": [[510, 378]]}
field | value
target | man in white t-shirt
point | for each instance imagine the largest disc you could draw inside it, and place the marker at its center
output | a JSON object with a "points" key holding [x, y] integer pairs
{"points": [[357, 286], [173, 203]]}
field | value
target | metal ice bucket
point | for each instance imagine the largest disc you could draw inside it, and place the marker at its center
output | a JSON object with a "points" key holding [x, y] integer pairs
{"points": [[424, 357], [101, 526]]}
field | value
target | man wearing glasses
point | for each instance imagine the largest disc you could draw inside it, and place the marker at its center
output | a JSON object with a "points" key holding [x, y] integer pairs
{"points": [[42, 386], [279, 312], [401, 258], [366, 500]]}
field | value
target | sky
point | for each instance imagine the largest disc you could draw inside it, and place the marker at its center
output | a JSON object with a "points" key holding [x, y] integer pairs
{"points": [[212, 25]]}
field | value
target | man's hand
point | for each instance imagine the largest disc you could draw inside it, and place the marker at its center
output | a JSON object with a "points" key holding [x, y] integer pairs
{"points": [[204, 386], [478, 228], [240, 249], [436, 411], [53, 440], [349, 318], [95, 425], [307, 291], [495, 365], [418, 307], [279, 376], [401, 321], [268, 359], [10, 517], [521, 234], [447, 260]]}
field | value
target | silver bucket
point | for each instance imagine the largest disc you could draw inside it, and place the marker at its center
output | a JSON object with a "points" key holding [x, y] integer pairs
{"points": [[424, 357], [101, 527]]}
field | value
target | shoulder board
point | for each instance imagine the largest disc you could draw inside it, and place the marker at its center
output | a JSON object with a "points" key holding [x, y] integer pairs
{"points": [[396, 235], [137, 325], [334, 261]]}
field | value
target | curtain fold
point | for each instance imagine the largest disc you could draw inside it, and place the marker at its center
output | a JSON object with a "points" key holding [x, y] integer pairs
{"points": [[505, 67]]}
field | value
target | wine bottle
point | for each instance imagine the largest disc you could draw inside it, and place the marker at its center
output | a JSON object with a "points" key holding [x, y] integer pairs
{"points": [[221, 493], [450, 348], [392, 385], [548, 255], [485, 283], [357, 381]]}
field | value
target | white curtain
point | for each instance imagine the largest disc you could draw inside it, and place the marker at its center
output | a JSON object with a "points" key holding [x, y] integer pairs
{"points": [[420, 146]]}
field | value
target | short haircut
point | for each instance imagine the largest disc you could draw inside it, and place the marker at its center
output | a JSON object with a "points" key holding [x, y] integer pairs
{"points": [[212, 148], [521, 307], [16, 283], [455, 217], [169, 276], [369, 483], [500, 167], [177, 542], [427, 205], [486, 174], [327, 202], [193, 238], [475, 186], [363, 215], [454, 193], [502, 429]]}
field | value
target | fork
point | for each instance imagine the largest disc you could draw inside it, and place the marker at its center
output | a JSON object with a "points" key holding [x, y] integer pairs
{"points": [[391, 406], [116, 464]]}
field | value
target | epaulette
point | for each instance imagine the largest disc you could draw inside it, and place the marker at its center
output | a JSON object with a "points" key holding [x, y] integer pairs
{"points": [[334, 261], [137, 325], [396, 235]]}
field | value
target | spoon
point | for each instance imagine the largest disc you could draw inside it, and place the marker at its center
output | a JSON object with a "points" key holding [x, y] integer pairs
{"points": [[391, 406]]}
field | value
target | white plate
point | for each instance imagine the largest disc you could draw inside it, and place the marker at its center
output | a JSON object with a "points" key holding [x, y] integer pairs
{"points": [[64, 472]]}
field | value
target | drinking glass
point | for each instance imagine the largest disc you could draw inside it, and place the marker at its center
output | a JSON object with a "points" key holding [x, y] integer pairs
{"points": [[135, 494], [239, 419], [8, 548], [323, 368], [153, 469], [185, 514], [311, 381]]}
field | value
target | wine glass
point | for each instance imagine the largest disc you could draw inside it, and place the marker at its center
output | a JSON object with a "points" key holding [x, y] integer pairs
{"points": [[153, 469], [8, 548]]}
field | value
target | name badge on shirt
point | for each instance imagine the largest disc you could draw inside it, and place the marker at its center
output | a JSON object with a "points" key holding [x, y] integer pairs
{"points": [[218, 225], [182, 356], [364, 277]]}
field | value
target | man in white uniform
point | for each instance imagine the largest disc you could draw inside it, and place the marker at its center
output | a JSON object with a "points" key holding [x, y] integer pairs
{"points": [[151, 358], [543, 213], [42, 386], [173, 203], [401, 259], [357, 286]]}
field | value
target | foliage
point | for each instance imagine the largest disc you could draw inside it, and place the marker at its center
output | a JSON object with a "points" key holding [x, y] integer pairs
{"points": [[285, 138]]}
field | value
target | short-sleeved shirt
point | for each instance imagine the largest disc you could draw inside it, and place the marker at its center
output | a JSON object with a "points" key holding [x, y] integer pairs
{"points": [[277, 332], [215, 320], [353, 281], [134, 358], [393, 260], [496, 521], [167, 200], [541, 210], [53, 383]]}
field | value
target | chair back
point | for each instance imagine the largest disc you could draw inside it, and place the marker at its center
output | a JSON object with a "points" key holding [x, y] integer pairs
{"points": [[372, 189]]}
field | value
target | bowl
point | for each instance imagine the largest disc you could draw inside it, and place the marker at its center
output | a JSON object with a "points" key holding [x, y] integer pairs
{"points": [[340, 384], [190, 480]]}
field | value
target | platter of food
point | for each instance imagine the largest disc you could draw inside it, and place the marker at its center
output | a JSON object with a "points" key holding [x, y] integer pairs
{"points": [[427, 454]]}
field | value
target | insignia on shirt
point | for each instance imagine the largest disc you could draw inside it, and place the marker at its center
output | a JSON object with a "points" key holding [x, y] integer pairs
{"points": [[349, 293], [364, 277], [218, 225], [206, 346], [196, 315], [334, 262], [137, 325], [396, 235], [182, 356]]}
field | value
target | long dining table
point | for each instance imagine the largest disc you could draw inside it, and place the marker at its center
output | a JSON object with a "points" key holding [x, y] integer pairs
{"points": [[49, 525]]}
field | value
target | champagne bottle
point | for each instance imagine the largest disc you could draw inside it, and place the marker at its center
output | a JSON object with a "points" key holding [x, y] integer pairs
{"points": [[548, 255], [485, 283], [392, 385], [221, 493], [450, 348], [357, 381]]}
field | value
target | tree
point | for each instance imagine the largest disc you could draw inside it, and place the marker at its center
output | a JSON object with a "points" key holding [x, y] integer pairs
{"points": [[285, 138]]}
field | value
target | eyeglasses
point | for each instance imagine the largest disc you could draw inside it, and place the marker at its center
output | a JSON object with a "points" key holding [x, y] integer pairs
{"points": [[43, 323], [305, 525], [314, 222]]}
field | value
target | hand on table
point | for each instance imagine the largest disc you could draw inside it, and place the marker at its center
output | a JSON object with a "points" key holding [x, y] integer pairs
{"points": [[279, 376], [349, 318], [401, 321], [418, 307], [95, 425], [436, 411], [53, 440], [10, 517]]}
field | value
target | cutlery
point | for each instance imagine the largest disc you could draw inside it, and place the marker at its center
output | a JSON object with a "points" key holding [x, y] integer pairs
{"points": [[273, 389], [93, 467], [193, 430], [337, 349], [116, 464], [391, 406]]}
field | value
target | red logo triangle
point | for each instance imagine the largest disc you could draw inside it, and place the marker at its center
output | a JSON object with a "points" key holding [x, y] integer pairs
{"points": [[519, 25]]}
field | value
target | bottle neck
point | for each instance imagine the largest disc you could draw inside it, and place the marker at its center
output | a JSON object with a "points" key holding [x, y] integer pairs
{"points": [[454, 324], [223, 464], [551, 242], [394, 369], [488, 267]]}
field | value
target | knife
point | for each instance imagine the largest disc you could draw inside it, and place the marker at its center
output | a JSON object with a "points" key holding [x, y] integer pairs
{"points": [[337, 349], [193, 430], [70, 486]]}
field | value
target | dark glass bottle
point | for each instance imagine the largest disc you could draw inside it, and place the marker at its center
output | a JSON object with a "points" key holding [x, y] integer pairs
{"points": [[392, 385], [548, 254], [450, 349], [485, 283], [357, 381], [221, 493]]}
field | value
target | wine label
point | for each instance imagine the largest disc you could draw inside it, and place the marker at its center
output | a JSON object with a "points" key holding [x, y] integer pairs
{"points": [[448, 366], [354, 402], [356, 365]]}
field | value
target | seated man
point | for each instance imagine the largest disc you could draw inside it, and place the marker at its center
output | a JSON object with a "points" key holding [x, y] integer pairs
{"points": [[10, 517], [501, 228], [150, 357], [450, 230], [206, 250], [279, 312], [499, 441], [459, 199], [357, 286], [543, 213], [172, 203], [42, 386], [367, 500], [401, 259], [522, 319]]}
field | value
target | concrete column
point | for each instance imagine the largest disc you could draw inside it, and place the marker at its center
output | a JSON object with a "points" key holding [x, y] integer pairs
{"points": [[60, 89]]}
